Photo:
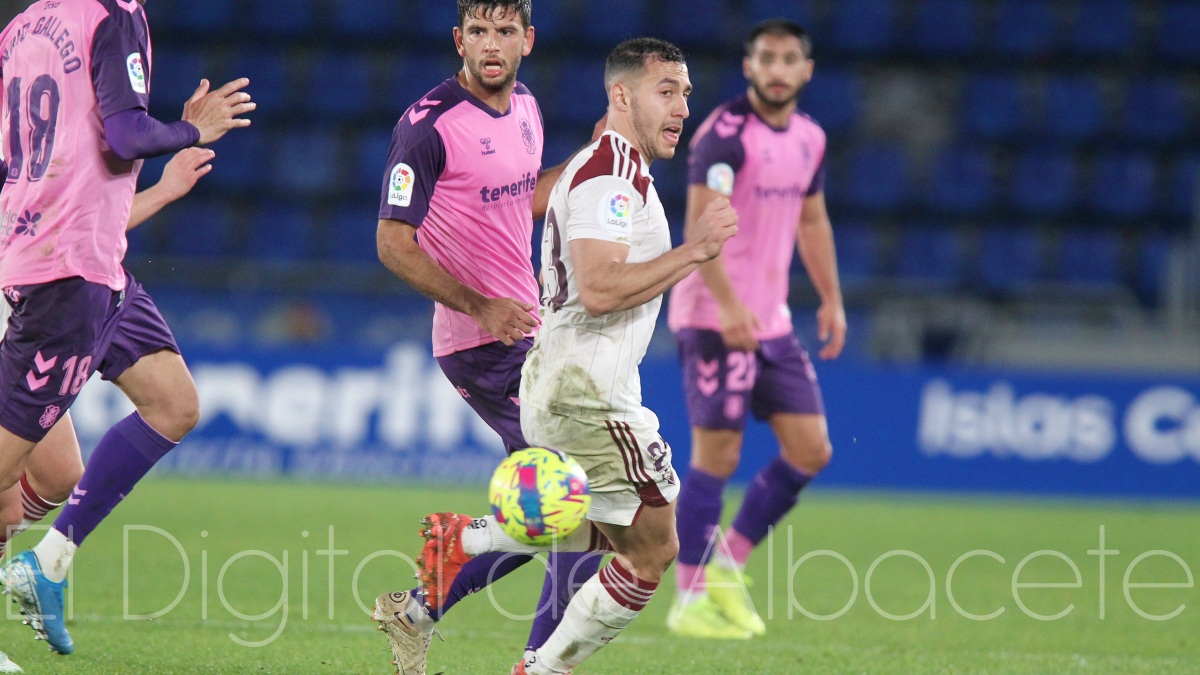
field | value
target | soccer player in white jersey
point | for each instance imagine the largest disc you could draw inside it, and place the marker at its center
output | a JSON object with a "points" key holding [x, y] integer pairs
{"points": [[607, 260], [739, 351], [75, 82]]}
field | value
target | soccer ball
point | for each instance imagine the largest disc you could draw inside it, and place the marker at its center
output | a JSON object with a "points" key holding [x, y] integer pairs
{"points": [[538, 495]]}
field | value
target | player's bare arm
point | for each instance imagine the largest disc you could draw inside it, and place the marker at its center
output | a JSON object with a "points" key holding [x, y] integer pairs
{"points": [[215, 113], [738, 322], [506, 319], [179, 176], [607, 283], [814, 238]]}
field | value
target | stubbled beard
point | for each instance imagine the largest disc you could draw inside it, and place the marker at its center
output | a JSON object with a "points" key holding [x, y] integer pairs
{"points": [[647, 143], [766, 98], [477, 72]]}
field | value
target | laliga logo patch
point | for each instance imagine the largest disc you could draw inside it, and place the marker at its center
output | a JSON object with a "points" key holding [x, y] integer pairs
{"points": [[137, 73], [400, 187], [720, 179], [616, 213]]}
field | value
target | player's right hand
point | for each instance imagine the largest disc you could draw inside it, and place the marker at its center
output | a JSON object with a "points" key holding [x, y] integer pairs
{"points": [[716, 224], [738, 324], [216, 112], [187, 167], [507, 320]]}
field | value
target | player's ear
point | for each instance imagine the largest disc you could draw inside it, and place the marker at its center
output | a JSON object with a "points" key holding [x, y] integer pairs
{"points": [[458, 41], [619, 95], [746, 67], [528, 41]]}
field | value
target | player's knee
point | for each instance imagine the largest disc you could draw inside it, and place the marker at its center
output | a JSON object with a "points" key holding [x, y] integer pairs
{"points": [[811, 457]]}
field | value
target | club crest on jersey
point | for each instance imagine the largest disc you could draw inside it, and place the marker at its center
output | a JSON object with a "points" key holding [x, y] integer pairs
{"points": [[616, 213], [720, 178], [137, 72], [527, 136], [400, 187], [49, 416]]}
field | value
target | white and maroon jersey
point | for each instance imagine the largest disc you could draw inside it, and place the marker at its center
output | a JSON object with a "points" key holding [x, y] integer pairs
{"points": [[464, 175], [65, 65], [582, 365], [767, 173]]}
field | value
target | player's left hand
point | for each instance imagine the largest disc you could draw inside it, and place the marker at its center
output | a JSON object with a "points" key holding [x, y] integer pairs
{"points": [[184, 170], [831, 329]]}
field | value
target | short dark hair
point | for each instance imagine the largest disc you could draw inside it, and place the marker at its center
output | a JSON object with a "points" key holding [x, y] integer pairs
{"points": [[632, 55], [486, 8], [780, 27]]}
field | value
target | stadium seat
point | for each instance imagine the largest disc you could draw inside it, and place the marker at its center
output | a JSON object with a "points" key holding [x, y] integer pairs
{"points": [[993, 107], [859, 252], [281, 230], [298, 20], [1073, 108], [878, 177], [436, 18], [366, 18], [1153, 254], [962, 180], [349, 232], [270, 79], [305, 164], [176, 74], [866, 26], [207, 18], [1025, 28], [1103, 28], [800, 12], [241, 162], [612, 21], [930, 255], [1090, 257], [202, 229], [1044, 182], [832, 98], [409, 76], [696, 22], [1155, 109], [1123, 186], [341, 86], [370, 162], [946, 27], [1010, 259], [1179, 31], [579, 96], [1183, 202]]}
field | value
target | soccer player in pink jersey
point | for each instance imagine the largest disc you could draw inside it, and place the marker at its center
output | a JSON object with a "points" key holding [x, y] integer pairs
{"points": [[74, 95], [607, 258], [464, 183], [736, 341]]}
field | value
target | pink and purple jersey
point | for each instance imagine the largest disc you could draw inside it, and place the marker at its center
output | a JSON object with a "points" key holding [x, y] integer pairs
{"points": [[464, 175], [767, 173], [64, 67]]}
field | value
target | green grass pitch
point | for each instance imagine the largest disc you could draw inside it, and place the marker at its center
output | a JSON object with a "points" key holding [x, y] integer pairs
{"points": [[851, 583]]}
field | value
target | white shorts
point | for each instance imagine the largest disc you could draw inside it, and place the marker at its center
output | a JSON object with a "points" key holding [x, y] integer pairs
{"points": [[628, 463]]}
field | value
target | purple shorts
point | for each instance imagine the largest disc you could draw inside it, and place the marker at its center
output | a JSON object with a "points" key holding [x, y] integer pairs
{"points": [[489, 378], [60, 333], [718, 383]]}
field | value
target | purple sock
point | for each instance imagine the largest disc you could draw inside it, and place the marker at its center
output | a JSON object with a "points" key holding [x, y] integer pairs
{"points": [[565, 573], [126, 453], [697, 514], [774, 492], [475, 575]]}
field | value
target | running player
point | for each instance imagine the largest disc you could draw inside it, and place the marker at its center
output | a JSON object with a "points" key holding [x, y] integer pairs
{"points": [[74, 86], [736, 341], [607, 260], [456, 223]]}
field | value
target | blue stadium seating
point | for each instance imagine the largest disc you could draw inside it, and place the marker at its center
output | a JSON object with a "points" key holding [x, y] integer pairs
{"points": [[865, 26], [1044, 182], [1152, 259], [1025, 27], [204, 229], [1183, 199], [270, 79], [176, 74], [859, 252], [1124, 185], [612, 21], [410, 76], [350, 232], [878, 177], [1010, 259], [298, 19], [832, 98], [1073, 108], [931, 255], [241, 162], [281, 230], [341, 86], [201, 18], [307, 163], [435, 18], [696, 22], [962, 180], [1090, 257], [365, 18], [579, 97], [1155, 109], [370, 162], [993, 106], [1103, 28], [800, 12], [946, 27], [1179, 31]]}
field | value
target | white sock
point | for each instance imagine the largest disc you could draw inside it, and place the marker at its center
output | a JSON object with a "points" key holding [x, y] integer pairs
{"points": [[54, 553], [419, 615], [605, 605], [485, 535]]}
